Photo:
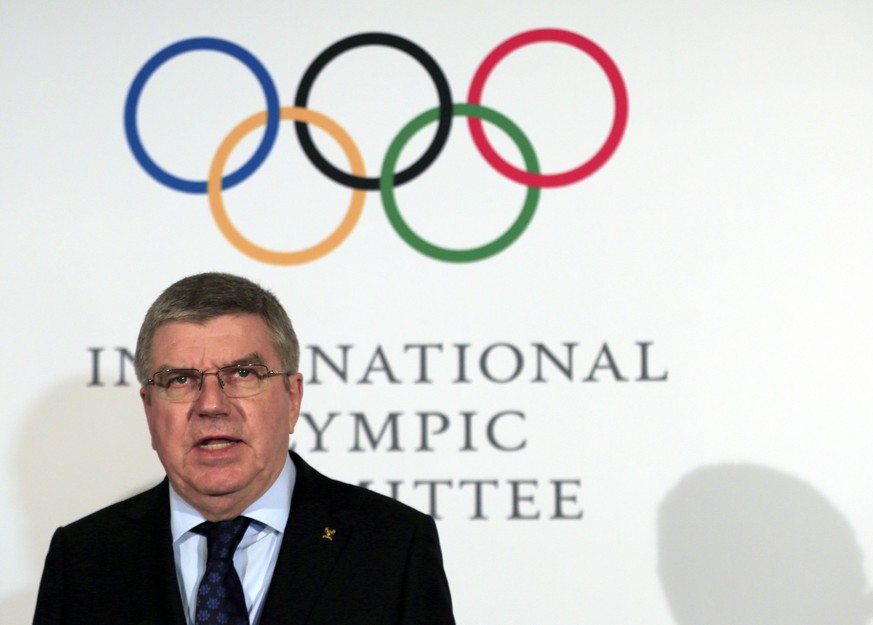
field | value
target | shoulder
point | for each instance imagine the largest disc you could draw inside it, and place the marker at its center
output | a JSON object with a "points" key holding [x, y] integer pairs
{"points": [[313, 488], [114, 519]]}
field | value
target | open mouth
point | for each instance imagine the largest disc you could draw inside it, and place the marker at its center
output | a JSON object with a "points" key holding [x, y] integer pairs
{"points": [[215, 444]]}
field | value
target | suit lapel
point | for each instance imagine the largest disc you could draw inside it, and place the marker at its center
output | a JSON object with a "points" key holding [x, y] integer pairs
{"points": [[313, 540], [150, 570]]}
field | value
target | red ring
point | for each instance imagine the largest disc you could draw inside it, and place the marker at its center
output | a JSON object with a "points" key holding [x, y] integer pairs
{"points": [[618, 124]]}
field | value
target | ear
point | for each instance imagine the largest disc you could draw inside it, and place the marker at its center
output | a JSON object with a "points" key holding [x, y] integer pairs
{"points": [[147, 406], [295, 396]]}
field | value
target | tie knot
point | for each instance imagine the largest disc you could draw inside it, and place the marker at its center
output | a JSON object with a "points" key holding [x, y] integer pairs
{"points": [[223, 537]]}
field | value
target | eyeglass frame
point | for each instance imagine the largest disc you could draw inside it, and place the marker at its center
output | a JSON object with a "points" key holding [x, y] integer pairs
{"points": [[269, 373]]}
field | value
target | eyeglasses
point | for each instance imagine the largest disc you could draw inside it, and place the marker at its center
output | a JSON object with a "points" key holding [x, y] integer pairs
{"points": [[184, 385]]}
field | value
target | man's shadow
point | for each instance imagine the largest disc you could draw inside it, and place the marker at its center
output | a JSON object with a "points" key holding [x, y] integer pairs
{"points": [[748, 545], [80, 449]]}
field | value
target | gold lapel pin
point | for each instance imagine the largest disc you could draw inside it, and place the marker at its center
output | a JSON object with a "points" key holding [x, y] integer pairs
{"points": [[328, 533]]}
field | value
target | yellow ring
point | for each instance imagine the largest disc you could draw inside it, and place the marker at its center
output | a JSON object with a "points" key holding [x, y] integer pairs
{"points": [[216, 201]]}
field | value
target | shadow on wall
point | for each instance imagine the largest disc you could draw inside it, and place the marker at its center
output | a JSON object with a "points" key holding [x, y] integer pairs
{"points": [[748, 545], [82, 448]]}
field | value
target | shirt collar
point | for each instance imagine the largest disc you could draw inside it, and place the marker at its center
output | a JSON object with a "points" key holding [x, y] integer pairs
{"points": [[271, 510]]}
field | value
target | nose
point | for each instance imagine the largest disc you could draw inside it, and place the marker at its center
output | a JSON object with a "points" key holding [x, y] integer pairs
{"points": [[217, 378], [212, 400]]}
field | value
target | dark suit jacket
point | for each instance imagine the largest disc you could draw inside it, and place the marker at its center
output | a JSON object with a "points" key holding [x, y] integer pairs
{"points": [[383, 566]]}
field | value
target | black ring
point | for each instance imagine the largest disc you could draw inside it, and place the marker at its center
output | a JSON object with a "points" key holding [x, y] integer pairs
{"points": [[392, 41]]}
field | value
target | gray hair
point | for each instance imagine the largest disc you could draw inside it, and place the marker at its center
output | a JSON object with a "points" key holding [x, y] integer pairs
{"points": [[205, 296]]}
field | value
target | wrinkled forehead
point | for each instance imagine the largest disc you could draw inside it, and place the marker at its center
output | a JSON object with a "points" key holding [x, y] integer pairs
{"points": [[217, 342]]}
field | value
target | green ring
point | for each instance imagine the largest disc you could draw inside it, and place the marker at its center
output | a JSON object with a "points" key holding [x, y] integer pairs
{"points": [[386, 186]]}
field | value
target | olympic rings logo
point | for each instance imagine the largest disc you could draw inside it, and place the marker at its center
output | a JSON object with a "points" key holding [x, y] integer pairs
{"points": [[388, 179]]}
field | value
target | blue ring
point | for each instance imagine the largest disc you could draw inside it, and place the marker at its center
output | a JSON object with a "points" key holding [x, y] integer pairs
{"points": [[188, 45]]}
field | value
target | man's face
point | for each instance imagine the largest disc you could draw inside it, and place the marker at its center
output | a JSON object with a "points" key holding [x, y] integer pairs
{"points": [[221, 453]]}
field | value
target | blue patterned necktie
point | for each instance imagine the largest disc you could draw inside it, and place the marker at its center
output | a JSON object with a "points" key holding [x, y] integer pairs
{"points": [[220, 599]]}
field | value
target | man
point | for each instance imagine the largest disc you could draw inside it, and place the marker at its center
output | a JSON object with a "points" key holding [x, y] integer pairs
{"points": [[241, 530]]}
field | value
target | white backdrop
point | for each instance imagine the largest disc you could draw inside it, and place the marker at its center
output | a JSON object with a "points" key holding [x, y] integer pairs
{"points": [[728, 238]]}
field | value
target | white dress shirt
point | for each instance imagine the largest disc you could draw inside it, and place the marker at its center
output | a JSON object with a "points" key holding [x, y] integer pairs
{"points": [[256, 556]]}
